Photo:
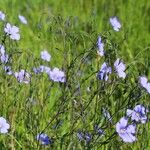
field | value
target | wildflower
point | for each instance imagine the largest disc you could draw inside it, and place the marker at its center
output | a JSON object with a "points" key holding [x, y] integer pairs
{"points": [[115, 23], [107, 114], [84, 136], [126, 132], [4, 58], [2, 49], [56, 75], [144, 83], [44, 139], [22, 19], [23, 76], [100, 47], [4, 126], [2, 16], [120, 68], [80, 135], [88, 137], [8, 70], [104, 71], [98, 130], [45, 55], [12, 31], [41, 69], [36, 70], [45, 69], [138, 113]]}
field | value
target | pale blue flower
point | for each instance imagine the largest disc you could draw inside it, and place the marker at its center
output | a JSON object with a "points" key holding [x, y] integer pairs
{"points": [[125, 131], [22, 19], [23, 76], [4, 58], [88, 137], [2, 16], [84, 136], [80, 135], [45, 55], [2, 49], [8, 70], [12, 31], [115, 23], [120, 68], [41, 69], [57, 75], [100, 47], [44, 139], [107, 114], [98, 130], [4, 126], [144, 83], [138, 114], [104, 72]]}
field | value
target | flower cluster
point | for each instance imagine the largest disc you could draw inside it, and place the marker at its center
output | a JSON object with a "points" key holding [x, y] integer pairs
{"points": [[84, 136], [23, 76], [55, 74], [104, 72], [127, 131], [119, 66]]}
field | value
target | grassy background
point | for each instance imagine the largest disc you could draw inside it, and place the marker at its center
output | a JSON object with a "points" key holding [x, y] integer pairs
{"points": [[66, 29]]}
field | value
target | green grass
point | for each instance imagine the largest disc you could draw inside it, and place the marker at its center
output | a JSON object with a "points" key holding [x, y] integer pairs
{"points": [[69, 31]]}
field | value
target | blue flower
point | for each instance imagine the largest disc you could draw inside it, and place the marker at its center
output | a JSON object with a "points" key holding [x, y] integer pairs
{"points": [[2, 16], [138, 113], [44, 139], [4, 58], [100, 46], [8, 70], [98, 130], [41, 69], [45, 55], [125, 131], [104, 72], [84, 136], [80, 135], [144, 83], [56, 75], [12, 31], [88, 137], [22, 19], [115, 23], [107, 114], [2, 49], [23, 76], [4, 126], [120, 68]]}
